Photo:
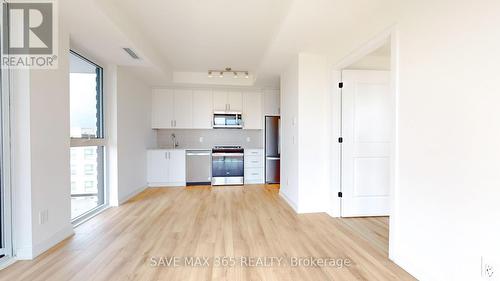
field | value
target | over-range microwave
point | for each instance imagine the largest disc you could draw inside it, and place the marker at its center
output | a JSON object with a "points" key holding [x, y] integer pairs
{"points": [[227, 120]]}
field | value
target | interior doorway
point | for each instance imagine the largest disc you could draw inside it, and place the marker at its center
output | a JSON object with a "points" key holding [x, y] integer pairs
{"points": [[365, 170], [367, 129]]}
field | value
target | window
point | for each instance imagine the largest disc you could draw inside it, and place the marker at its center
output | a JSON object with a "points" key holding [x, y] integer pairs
{"points": [[89, 170], [90, 154], [89, 186], [87, 138]]}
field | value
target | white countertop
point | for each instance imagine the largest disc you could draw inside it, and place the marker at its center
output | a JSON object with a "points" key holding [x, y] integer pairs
{"points": [[195, 149]]}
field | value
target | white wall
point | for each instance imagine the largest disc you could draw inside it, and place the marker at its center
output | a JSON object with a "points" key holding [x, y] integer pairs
{"points": [[306, 132], [41, 169], [449, 136], [314, 133], [134, 133], [289, 188]]}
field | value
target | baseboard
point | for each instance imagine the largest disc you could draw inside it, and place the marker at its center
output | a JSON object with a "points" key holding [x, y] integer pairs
{"points": [[29, 253], [166, 184], [130, 196], [414, 271], [288, 201]]}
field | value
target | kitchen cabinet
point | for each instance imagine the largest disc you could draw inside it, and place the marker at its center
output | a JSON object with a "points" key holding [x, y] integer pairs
{"points": [[271, 102], [162, 114], [220, 101], [252, 111], [227, 101], [166, 167], [183, 109], [254, 166], [234, 101], [202, 109]]}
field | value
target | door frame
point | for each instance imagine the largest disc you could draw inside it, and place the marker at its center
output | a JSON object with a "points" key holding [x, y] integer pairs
{"points": [[390, 34]]}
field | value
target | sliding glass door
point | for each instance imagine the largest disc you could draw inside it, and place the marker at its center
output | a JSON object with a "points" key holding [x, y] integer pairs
{"points": [[88, 193]]}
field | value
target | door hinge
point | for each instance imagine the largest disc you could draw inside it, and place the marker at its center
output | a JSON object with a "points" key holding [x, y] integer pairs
{"points": [[340, 194], [341, 85], [341, 140]]}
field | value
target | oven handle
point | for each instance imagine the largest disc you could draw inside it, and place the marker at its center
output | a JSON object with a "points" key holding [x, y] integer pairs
{"points": [[227, 154]]}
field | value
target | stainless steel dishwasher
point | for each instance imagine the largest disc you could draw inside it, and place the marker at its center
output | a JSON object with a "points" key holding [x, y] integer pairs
{"points": [[198, 167]]}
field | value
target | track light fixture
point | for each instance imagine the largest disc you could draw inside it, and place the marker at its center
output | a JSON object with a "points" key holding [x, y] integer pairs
{"points": [[236, 73]]}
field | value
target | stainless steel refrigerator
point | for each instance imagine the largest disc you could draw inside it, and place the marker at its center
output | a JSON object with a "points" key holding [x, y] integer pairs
{"points": [[272, 149]]}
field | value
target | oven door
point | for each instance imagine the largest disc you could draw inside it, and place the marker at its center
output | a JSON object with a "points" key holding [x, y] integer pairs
{"points": [[227, 168]]}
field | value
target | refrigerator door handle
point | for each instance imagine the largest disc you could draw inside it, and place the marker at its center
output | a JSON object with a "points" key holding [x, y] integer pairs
{"points": [[279, 136]]}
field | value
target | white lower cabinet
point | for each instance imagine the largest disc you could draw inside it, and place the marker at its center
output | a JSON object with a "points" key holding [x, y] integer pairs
{"points": [[254, 166], [166, 167]]}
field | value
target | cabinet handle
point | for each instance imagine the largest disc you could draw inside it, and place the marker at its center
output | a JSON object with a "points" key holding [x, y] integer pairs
{"points": [[166, 155], [175, 123]]}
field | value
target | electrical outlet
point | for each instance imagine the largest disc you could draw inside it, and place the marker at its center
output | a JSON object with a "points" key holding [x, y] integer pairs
{"points": [[488, 270], [248, 139], [201, 139], [43, 216]]}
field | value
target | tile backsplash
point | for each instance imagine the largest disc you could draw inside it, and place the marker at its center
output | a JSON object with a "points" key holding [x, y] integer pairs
{"points": [[207, 138]]}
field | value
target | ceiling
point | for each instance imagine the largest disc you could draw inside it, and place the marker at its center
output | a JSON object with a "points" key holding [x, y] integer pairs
{"points": [[196, 35]]}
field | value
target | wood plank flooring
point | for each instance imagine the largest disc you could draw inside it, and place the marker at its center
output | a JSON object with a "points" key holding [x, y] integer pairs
{"points": [[126, 243]]}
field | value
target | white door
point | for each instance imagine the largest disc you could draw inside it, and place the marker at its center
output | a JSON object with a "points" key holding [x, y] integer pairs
{"points": [[183, 109], [162, 109], [202, 109], [252, 111], [177, 166], [220, 101], [157, 166], [367, 140], [235, 101]]}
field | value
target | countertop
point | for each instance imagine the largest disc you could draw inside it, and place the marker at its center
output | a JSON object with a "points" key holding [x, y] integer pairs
{"points": [[195, 149]]}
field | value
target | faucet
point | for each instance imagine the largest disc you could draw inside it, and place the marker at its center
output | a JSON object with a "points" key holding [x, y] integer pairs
{"points": [[175, 143]]}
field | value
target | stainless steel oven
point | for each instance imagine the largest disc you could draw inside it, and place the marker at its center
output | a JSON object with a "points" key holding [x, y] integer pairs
{"points": [[227, 120], [227, 165]]}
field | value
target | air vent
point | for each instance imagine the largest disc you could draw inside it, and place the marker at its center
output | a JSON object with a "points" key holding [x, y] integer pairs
{"points": [[131, 53]]}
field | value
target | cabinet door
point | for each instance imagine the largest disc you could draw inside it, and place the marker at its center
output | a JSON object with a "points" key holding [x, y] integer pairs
{"points": [[220, 101], [177, 166], [272, 103], [183, 109], [162, 109], [252, 111], [202, 109], [235, 101], [157, 168]]}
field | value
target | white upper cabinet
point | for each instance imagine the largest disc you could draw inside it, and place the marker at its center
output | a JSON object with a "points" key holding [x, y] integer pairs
{"points": [[271, 102], [234, 101], [193, 109], [252, 111], [202, 109], [228, 101], [183, 109], [220, 101], [162, 115]]}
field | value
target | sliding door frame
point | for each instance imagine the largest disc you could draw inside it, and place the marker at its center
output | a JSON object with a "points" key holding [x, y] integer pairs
{"points": [[5, 158]]}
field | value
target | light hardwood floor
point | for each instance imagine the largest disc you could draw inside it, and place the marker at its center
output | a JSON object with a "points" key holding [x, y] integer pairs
{"points": [[250, 221]]}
